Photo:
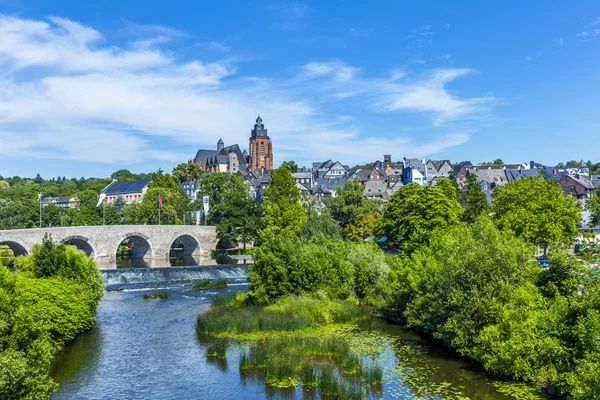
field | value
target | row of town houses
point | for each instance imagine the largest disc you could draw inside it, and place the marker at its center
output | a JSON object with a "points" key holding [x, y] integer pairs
{"points": [[380, 179]]}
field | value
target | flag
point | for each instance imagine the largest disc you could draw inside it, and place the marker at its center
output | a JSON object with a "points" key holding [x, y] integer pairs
{"points": [[101, 199], [39, 197], [160, 201]]}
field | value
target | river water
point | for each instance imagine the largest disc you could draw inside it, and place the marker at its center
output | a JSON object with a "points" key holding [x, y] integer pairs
{"points": [[148, 349]]}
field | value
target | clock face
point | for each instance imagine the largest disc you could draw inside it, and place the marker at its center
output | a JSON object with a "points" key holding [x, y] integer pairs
{"points": [[262, 158]]}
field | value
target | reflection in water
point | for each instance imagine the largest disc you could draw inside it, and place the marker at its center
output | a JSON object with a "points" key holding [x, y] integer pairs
{"points": [[148, 349]]}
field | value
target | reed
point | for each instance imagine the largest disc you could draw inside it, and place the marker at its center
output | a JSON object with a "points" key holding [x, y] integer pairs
{"points": [[309, 376], [374, 375], [217, 349], [158, 295], [291, 314]]}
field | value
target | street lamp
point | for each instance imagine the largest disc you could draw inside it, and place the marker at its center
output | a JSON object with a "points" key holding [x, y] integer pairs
{"points": [[40, 201]]}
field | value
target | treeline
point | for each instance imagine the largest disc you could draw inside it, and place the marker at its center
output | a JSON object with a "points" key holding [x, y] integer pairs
{"points": [[456, 269], [19, 206], [49, 299]]}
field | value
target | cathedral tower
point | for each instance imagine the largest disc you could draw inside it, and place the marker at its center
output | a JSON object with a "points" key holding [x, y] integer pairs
{"points": [[261, 150]]}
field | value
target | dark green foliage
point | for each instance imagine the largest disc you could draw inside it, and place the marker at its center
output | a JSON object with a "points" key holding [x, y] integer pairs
{"points": [[320, 224], [473, 200], [283, 213], [416, 214], [43, 307], [537, 211], [217, 349], [284, 266], [210, 284], [291, 166], [593, 206], [158, 295], [187, 172]]}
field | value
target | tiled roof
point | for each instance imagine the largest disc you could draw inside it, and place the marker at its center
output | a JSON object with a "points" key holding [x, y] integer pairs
{"points": [[116, 188]]}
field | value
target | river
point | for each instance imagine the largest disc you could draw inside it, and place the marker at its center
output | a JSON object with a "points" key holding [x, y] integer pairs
{"points": [[148, 349]]}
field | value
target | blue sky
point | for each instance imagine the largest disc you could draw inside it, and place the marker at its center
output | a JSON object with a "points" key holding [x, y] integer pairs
{"points": [[86, 89]]}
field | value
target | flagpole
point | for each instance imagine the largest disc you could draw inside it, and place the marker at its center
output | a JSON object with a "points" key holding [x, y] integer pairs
{"points": [[103, 214]]}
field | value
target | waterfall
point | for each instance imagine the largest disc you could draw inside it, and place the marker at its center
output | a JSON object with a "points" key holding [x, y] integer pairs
{"points": [[126, 276]]}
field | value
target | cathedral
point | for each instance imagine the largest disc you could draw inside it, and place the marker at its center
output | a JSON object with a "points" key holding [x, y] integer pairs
{"points": [[232, 159]]}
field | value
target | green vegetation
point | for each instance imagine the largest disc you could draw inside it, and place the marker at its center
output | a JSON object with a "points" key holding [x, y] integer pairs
{"points": [[416, 214], [472, 199], [209, 284], [232, 211], [356, 215], [233, 317], [19, 207], [46, 303], [537, 211], [158, 295], [283, 214], [293, 341], [593, 206], [185, 172]]}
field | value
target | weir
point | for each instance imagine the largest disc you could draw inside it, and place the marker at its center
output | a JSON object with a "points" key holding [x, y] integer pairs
{"points": [[128, 276]]}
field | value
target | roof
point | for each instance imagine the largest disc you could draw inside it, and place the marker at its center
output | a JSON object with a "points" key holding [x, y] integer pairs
{"points": [[493, 176], [302, 175], [211, 157], [512, 174], [376, 189], [56, 200], [116, 188]]}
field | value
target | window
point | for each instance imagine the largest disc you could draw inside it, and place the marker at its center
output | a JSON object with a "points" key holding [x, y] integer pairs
{"points": [[262, 148]]}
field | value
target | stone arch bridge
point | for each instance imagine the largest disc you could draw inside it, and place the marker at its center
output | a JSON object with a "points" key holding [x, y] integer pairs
{"points": [[102, 242]]}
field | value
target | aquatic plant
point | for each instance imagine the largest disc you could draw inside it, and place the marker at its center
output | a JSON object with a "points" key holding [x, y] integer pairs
{"points": [[290, 314], [210, 284], [158, 295], [309, 377], [217, 349]]}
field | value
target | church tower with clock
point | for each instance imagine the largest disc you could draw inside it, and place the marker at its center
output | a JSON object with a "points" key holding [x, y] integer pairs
{"points": [[261, 150]]}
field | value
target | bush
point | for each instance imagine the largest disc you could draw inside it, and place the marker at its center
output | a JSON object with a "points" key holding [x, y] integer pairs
{"points": [[45, 304]]}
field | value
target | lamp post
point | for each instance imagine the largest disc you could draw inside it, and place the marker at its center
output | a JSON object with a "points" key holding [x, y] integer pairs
{"points": [[40, 201]]}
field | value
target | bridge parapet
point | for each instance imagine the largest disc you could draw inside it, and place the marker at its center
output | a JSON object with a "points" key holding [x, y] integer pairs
{"points": [[153, 241]]}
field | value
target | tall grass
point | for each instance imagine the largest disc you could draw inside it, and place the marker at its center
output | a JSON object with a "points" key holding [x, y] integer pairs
{"points": [[217, 349], [290, 314]]}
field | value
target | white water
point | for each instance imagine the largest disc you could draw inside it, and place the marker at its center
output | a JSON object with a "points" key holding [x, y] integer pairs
{"points": [[127, 276]]}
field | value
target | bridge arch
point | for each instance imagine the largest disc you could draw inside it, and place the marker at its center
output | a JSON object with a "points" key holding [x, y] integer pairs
{"points": [[142, 247], [17, 248], [82, 243], [190, 245]]}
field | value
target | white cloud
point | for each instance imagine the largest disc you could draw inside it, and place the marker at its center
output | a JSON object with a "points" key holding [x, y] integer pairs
{"points": [[583, 34], [338, 70], [559, 41], [430, 95], [67, 94]]}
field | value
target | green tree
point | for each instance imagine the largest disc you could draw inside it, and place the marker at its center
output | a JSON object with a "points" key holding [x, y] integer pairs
{"points": [[291, 165], [283, 213], [218, 187], [123, 175], [416, 213], [537, 211], [362, 227], [185, 172], [593, 206], [472, 199], [498, 161]]}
